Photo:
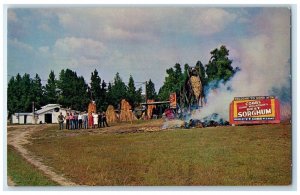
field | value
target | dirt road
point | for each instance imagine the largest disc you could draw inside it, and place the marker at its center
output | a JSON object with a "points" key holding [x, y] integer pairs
{"points": [[17, 136]]}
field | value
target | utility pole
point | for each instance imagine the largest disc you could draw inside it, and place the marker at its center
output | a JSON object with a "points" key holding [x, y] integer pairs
{"points": [[146, 91], [146, 111]]}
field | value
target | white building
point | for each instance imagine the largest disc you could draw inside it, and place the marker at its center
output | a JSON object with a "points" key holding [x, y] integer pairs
{"points": [[47, 114], [22, 118]]}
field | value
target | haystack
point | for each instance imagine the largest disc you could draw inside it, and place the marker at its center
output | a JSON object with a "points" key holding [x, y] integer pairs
{"points": [[111, 114], [92, 107], [126, 112]]}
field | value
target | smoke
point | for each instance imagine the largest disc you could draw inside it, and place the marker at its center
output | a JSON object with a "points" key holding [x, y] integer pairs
{"points": [[284, 95], [217, 100], [264, 60], [174, 123]]}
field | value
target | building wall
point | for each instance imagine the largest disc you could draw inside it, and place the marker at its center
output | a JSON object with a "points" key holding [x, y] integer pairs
{"points": [[14, 119], [21, 119], [55, 115], [41, 116]]}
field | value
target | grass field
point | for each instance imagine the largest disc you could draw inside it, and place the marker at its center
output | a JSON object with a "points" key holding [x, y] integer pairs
{"points": [[243, 155], [23, 173]]}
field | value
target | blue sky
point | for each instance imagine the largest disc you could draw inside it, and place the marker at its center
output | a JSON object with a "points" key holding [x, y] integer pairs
{"points": [[145, 41]]}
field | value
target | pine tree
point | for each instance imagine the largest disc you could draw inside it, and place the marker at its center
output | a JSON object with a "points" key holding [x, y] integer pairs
{"points": [[73, 90], [27, 93], [151, 94], [82, 99], [37, 92], [118, 90], [131, 92], [103, 97], [50, 89], [110, 98], [95, 89], [134, 96], [173, 82], [12, 96], [219, 66], [200, 68]]}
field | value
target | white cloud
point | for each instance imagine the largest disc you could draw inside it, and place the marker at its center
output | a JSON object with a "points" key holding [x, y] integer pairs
{"points": [[140, 24], [44, 27], [44, 49], [16, 44], [210, 21], [72, 47]]}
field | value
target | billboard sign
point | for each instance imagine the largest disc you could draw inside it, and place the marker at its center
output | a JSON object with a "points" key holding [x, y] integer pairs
{"points": [[254, 109]]}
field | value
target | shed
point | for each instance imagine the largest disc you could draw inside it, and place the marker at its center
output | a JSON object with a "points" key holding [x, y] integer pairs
{"points": [[47, 114], [22, 118]]}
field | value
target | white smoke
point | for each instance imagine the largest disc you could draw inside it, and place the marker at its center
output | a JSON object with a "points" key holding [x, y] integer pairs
{"points": [[264, 60]]}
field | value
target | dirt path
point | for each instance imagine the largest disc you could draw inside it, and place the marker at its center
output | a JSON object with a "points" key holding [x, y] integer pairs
{"points": [[17, 136]]}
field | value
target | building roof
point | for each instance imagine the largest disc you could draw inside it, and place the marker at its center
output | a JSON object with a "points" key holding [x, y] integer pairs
{"points": [[23, 113], [44, 109], [47, 108]]}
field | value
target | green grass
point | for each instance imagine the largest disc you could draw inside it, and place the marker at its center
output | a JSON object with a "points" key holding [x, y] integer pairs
{"points": [[242, 155], [23, 173]]}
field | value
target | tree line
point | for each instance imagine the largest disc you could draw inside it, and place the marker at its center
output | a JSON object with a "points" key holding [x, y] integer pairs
{"points": [[72, 91], [218, 70]]}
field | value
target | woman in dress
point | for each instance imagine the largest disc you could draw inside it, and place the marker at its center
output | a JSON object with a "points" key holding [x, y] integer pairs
{"points": [[91, 122], [95, 118]]}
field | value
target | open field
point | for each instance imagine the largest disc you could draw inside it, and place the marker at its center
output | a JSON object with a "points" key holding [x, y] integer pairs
{"points": [[139, 154]]}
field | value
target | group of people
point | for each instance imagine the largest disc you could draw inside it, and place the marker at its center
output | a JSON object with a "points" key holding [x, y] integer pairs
{"points": [[78, 120]]}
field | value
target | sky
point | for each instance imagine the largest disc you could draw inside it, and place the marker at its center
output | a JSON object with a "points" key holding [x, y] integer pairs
{"points": [[144, 41]]}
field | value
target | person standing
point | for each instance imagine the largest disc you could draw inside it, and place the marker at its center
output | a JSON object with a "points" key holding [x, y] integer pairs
{"points": [[91, 122], [85, 120], [99, 119], [79, 121], [61, 121], [71, 118], [104, 120], [76, 120], [67, 121], [95, 119]]}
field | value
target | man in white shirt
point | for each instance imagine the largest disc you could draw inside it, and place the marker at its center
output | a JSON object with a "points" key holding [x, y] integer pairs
{"points": [[79, 121]]}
